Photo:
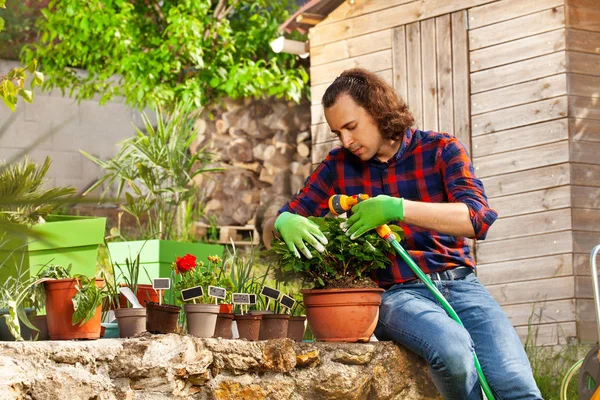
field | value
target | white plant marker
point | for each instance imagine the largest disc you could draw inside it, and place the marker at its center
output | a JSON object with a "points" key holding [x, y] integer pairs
{"points": [[128, 293]]}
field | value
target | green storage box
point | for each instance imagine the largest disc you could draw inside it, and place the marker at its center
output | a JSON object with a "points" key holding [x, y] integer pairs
{"points": [[67, 239], [156, 256]]}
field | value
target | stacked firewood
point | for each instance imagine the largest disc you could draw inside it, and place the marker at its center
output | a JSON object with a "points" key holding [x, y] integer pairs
{"points": [[265, 147]]}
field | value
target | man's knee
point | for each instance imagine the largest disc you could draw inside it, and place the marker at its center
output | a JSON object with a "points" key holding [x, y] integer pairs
{"points": [[454, 358]]}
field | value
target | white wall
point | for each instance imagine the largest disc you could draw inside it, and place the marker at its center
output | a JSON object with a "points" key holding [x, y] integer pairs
{"points": [[87, 126]]}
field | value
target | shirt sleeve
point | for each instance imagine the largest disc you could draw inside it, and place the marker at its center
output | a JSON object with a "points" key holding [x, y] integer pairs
{"points": [[462, 186], [313, 198]]}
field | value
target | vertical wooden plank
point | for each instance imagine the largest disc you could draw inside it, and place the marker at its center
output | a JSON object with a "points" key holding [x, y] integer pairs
{"points": [[413, 68], [399, 62], [460, 73], [429, 67], [444, 73]]}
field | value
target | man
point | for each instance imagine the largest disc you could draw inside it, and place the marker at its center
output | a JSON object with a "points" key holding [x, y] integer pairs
{"points": [[424, 182]]}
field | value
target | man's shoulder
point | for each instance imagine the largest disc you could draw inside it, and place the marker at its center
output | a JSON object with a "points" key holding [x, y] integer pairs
{"points": [[433, 136]]}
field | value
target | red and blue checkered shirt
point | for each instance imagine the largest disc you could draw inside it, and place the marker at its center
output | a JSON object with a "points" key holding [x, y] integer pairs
{"points": [[430, 167]]}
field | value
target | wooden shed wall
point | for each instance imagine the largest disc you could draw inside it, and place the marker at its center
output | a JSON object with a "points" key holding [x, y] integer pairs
{"points": [[531, 99], [520, 150], [583, 61]]}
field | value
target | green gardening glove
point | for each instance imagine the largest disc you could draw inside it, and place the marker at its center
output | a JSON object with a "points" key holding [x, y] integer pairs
{"points": [[296, 229], [374, 212]]}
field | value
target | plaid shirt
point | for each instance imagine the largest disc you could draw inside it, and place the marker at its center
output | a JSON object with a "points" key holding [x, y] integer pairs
{"points": [[429, 167]]}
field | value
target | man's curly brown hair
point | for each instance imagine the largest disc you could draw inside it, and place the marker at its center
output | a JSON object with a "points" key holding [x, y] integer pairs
{"points": [[373, 94]]}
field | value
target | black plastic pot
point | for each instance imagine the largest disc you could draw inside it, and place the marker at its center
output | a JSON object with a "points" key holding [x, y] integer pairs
{"points": [[5, 333]]}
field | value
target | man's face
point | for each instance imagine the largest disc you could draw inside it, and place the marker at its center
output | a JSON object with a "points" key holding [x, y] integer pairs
{"points": [[355, 127]]}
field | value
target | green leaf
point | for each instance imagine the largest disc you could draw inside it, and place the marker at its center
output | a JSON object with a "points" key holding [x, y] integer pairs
{"points": [[27, 95], [38, 78]]}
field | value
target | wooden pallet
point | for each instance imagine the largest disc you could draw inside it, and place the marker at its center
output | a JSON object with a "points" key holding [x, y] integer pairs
{"points": [[241, 235]]}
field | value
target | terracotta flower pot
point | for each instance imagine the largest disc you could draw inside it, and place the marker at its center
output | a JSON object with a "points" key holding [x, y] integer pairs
{"points": [[145, 294], [201, 319], [59, 312], [274, 326], [248, 326], [296, 328], [161, 318], [223, 327], [132, 321], [342, 315], [226, 309]]}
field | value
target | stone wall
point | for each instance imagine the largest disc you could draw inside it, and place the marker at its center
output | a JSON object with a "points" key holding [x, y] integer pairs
{"points": [[154, 367], [264, 145]]}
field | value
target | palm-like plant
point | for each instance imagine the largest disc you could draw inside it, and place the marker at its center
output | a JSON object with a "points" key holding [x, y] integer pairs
{"points": [[157, 166], [23, 198]]}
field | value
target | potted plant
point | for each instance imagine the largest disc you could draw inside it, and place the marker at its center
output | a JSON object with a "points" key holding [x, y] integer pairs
{"points": [[73, 303], [201, 316], [156, 175], [15, 323], [58, 239], [243, 279], [297, 324], [131, 320], [344, 304]]}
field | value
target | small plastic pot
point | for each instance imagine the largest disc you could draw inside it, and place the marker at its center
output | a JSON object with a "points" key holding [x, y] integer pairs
{"points": [[274, 326], [248, 326], [132, 321], [296, 328], [161, 318], [109, 330], [223, 327], [201, 319]]}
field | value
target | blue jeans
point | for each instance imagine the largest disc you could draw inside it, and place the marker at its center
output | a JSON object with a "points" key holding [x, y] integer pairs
{"points": [[412, 317]]}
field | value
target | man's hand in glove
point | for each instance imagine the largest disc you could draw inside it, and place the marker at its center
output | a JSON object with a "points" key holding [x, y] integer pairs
{"points": [[296, 229], [374, 212]]}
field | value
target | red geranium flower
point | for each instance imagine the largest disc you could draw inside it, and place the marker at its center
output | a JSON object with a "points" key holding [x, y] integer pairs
{"points": [[185, 263]]}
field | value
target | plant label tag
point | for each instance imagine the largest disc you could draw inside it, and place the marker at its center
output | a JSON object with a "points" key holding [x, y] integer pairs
{"points": [[287, 301], [270, 292], [161, 283], [252, 299], [218, 292], [240, 298], [192, 293]]}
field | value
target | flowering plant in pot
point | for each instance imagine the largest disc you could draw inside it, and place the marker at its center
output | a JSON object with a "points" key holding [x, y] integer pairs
{"points": [[343, 304], [194, 279]]}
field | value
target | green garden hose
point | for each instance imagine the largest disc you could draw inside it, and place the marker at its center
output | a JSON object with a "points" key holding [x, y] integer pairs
{"points": [[564, 386], [434, 290]]}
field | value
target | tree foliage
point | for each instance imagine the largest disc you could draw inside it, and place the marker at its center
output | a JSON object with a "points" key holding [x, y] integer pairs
{"points": [[12, 85], [158, 53]]}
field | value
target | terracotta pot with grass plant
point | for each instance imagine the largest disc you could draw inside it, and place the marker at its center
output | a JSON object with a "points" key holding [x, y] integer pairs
{"points": [[343, 305]]}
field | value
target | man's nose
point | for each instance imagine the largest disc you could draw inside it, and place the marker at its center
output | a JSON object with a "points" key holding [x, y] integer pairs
{"points": [[346, 139]]}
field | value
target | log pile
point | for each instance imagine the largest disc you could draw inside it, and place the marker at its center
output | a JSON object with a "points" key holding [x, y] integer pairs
{"points": [[265, 147]]}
